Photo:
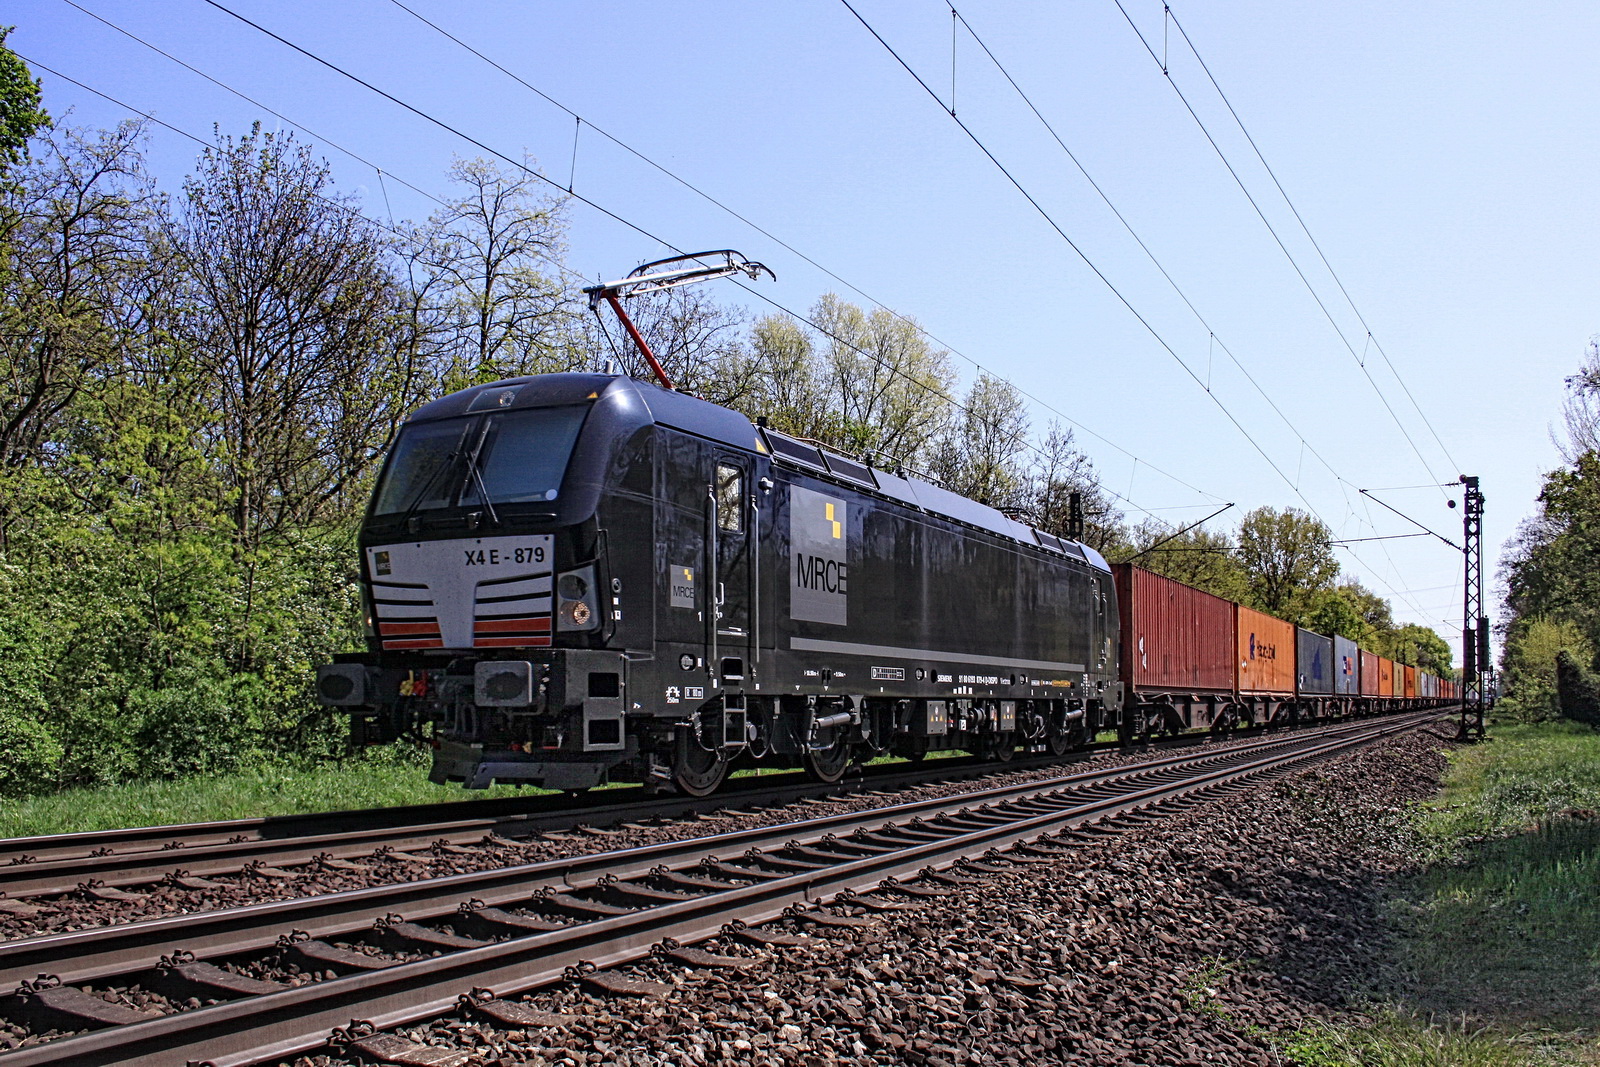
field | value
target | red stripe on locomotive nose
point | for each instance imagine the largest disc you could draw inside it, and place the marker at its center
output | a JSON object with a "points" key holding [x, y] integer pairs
{"points": [[497, 626], [415, 643], [511, 642], [398, 628]]}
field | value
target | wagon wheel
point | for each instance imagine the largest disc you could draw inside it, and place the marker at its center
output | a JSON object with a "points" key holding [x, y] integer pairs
{"points": [[1225, 721], [696, 770], [828, 765]]}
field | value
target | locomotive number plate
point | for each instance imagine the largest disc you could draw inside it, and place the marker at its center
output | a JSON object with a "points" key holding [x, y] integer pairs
{"points": [[516, 555]]}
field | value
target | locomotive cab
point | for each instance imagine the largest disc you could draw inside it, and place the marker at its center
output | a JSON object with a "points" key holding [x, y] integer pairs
{"points": [[492, 606]]}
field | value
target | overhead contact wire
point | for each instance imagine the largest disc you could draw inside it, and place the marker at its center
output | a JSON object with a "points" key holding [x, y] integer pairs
{"points": [[1307, 231], [1081, 255], [1315, 296], [955, 403], [923, 330]]}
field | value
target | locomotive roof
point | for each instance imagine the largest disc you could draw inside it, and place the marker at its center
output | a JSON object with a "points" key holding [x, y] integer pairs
{"points": [[704, 419]]}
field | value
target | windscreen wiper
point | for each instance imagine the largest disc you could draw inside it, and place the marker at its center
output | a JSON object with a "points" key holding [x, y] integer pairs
{"points": [[475, 472], [450, 463]]}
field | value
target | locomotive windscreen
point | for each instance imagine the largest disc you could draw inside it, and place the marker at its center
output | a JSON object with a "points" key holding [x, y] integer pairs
{"points": [[513, 457]]}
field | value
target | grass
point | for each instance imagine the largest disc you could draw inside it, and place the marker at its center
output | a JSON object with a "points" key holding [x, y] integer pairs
{"points": [[1396, 1040], [380, 778], [1497, 952]]}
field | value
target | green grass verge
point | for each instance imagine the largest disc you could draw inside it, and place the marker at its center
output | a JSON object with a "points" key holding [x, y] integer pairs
{"points": [[385, 777], [379, 778], [1498, 937]]}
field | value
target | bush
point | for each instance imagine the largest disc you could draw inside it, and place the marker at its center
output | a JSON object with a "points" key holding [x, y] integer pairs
{"points": [[1578, 690]]}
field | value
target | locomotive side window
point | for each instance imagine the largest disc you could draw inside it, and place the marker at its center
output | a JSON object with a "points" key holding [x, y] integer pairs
{"points": [[730, 498]]}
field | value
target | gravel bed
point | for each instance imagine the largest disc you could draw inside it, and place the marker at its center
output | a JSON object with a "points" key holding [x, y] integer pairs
{"points": [[1191, 940], [76, 911]]}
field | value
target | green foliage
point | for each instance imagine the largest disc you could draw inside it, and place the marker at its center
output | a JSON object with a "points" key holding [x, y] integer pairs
{"points": [[1529, 665], [1202, 558], [1396, 1039], [1287, 560], [1503, 922], [21, 112]]}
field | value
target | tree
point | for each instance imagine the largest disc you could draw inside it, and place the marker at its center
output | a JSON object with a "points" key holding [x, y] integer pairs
{"points": [[790, 386], [1286, 557], [21, 116], [1351, 610], [285, 305], [1420, 647], [1060, 470], [1202, 558], [982, 453], [488, 257], [698, 342], [72, 250]]}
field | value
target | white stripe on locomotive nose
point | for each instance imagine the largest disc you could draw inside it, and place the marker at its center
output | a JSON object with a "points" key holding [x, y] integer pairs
{"points": [[529, 605], [423, 610], [526, 587]]}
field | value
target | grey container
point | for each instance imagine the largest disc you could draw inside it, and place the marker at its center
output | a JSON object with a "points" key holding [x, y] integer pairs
{"points": [[1313, 663], [1346, 667]]}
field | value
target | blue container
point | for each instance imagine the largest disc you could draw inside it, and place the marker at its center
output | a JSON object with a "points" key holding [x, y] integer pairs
{"points": [[1346, 667], [1313, 663]]}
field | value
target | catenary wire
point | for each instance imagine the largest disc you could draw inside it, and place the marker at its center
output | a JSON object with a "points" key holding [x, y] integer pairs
{"points": [[597, 207], [1140, 241], [954, 402], [1294, 263], [1050, 220], [714, 201], [1343, 482], [1307, 230]]}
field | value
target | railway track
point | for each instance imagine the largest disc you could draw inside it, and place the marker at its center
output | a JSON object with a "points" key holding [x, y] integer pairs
{"points": [[273, 980], [113, 861]]}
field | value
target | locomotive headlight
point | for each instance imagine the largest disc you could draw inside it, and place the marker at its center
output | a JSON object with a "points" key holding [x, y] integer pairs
{"points": [[576, 608]]}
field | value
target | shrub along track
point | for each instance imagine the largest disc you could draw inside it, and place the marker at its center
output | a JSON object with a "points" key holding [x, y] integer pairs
{"points": [[559, 918]]}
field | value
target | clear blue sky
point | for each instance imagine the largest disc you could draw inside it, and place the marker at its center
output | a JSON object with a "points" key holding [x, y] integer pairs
{"points": [[1443, 155]]}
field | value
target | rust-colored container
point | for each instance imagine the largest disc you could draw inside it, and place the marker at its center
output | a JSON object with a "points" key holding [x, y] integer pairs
{"points": [[1385, 677], [1265, 655], [1410, 683], [1369, 673], [1175, 638]]}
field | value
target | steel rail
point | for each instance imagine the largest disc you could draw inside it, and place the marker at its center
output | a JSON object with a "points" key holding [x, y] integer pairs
{"points": [[298, 1020], [99, 953], [54, 865]]}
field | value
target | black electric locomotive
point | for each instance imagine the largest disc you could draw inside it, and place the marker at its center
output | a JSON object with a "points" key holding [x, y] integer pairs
{"points": [[576, 578]]}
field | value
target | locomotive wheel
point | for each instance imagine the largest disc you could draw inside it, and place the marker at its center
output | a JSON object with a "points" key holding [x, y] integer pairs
{"points": [[1001, 749], [1063, 739], [829, 765], [696, 771]]}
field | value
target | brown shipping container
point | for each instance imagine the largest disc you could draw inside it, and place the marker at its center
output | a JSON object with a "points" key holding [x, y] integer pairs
{"points": [[1174, 637], [1369, 673], [1265, 653], [1385, 677], [1410, 682]]}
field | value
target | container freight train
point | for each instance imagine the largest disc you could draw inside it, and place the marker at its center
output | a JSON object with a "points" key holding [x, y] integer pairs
{"points": [[572, 579]]}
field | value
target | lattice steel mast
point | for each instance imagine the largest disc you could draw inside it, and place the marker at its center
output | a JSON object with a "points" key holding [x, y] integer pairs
{"points": [[1474, 623]]}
